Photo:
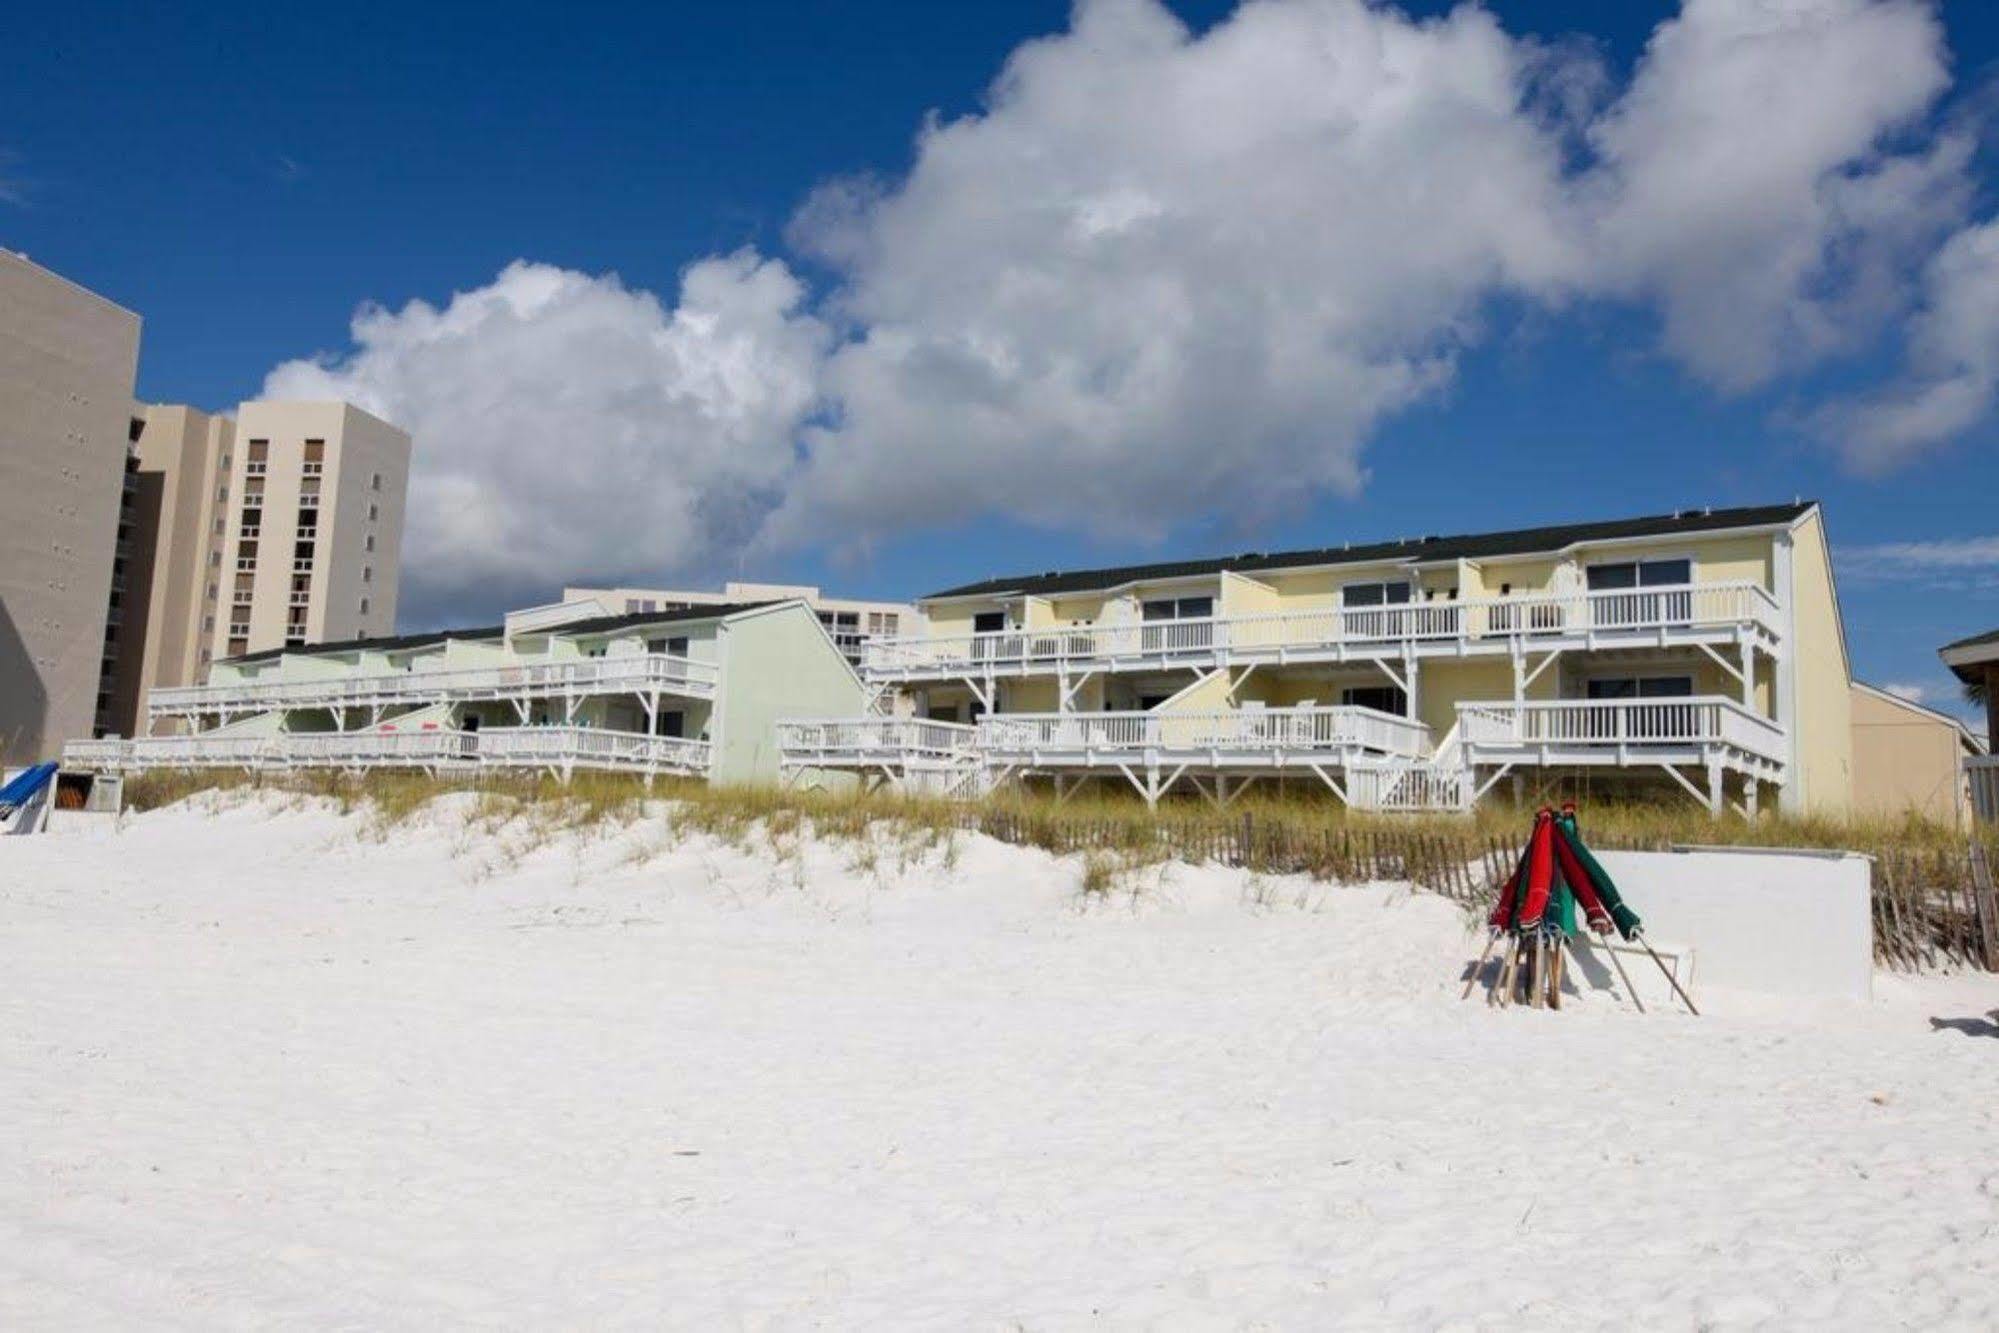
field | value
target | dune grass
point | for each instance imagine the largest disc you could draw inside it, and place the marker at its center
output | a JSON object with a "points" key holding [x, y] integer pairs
{"points": [[1102, 818]]}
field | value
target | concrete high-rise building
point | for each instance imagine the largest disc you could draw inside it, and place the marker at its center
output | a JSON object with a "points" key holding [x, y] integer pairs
{"points": [[68, 363], [313, 529], [169, 587]]}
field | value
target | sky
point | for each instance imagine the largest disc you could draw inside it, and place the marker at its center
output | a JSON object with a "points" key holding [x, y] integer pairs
{"points": [[888, 297]]}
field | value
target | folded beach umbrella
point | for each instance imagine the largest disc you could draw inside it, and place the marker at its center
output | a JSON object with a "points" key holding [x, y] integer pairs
{"points": [[1585, 872]]}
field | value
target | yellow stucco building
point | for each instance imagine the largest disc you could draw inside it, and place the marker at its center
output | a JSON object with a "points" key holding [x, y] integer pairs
{"points": [[1699, 652]]}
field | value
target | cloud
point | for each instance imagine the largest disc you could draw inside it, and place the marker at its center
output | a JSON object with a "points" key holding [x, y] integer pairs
{"points": [[1161, 275], [1164, 276], [1952, 370], [1914, 694], [1743, 183], [1968, 566], [567, 426]]}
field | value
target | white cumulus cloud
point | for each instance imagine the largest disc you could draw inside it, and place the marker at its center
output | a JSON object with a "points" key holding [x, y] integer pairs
{"points": [[1952, 373], [1164, 275], [1745, 183], [567, 426]]}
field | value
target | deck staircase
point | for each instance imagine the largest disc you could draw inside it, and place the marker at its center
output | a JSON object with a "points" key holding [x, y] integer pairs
{"points": [[1441, 782]]}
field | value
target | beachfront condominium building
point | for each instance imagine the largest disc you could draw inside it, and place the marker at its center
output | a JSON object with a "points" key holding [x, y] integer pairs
{"points": [[1697, 653], [68, 361], [851, 622], [694, 691], [312, 530]]}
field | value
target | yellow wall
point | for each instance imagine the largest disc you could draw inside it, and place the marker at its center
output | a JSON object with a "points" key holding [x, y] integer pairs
{"points": [[1824, 721], [1247, 597], [1905, 760]]}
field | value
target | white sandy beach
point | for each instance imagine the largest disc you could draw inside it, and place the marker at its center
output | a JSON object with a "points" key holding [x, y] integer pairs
{"points": [[259, 1067]]}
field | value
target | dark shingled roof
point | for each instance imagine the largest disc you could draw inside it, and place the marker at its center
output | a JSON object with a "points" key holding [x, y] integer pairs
{"points": [[376, 645], [1990, 636], [594, 625], [1521, 541], [1964, 671], [630, 620]]}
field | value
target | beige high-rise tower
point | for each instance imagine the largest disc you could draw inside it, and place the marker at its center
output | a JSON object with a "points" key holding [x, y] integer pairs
{"points": [[68, 359], [313, 529], [176, 502]]}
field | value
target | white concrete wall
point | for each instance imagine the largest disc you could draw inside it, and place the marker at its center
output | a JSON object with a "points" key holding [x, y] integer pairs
{"points": [[1783, 923]]}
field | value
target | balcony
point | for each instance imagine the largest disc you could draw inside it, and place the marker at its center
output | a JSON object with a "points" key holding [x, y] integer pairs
{"points": [[1233, 739], [1713, 613], [1983, 773], [1623, 733], [898, 744], [562, 749], [645, 673]]}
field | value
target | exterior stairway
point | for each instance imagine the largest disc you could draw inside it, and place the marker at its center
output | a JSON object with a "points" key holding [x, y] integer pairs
{"points": [[1442, 782]]}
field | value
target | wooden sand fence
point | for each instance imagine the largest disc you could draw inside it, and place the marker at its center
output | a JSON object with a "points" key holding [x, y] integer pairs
{"points": [[1934, 907]]}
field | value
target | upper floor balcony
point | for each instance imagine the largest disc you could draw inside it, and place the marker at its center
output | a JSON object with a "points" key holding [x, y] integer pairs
{"points": [[638, 673], [1711, 613]]}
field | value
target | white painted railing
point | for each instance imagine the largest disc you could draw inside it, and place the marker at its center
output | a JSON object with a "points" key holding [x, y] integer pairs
{"points": [[1983, 772], [362, 749], [1408, 785], [590, 747], [635, 673], [498, 747], [1603, 614], [863, 739], [1590, 723], [1303, 731]]}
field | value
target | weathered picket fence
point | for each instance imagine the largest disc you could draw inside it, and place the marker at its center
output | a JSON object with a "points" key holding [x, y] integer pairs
{"points": [[1933, 907]]}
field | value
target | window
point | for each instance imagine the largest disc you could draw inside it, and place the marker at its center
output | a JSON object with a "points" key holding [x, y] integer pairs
{"points": [[302, 551], [1620, 598], [1374, 594], [987, 623], [673, 723], [1383, 698], [364, 606], [1641, 574], [673, 647], [238, 646], [222, 494], [214, 562], [1159, 636], [221, 526], [258, 460], [369, 545], [374, 512], [375, 482], [1640, 687], [207, 624]]}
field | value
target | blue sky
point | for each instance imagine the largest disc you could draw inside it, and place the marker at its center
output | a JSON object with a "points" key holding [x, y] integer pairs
{"points": [[246, 177]]}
